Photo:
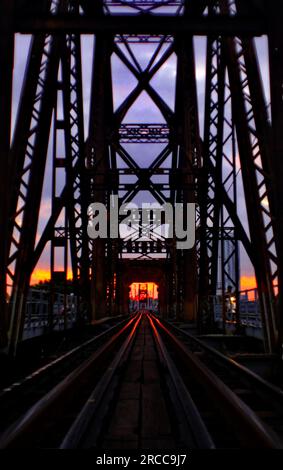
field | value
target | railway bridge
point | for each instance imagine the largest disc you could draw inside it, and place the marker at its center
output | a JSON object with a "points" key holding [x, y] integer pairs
{"points": [[141, 244]]}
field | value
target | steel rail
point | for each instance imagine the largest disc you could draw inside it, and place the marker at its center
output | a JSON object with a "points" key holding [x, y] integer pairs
{"points": [[86, 429], [194, 431], [61, 397], [96, 407], [69, 355], [249, 428], [275, 393]]}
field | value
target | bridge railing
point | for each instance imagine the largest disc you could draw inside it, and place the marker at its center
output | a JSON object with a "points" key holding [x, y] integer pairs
{"points": [[249, 308], [38, 314]]}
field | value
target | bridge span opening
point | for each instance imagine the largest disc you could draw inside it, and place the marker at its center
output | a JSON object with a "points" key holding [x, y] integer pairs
{"points": [[143, 296]]}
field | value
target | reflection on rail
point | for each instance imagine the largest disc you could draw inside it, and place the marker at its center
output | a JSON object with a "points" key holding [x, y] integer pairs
{"points": [[153, 385]]}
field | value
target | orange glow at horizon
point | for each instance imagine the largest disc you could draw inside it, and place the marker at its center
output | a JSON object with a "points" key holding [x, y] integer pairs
{"points": [[43, 274], [247, 282], [135, 288]]}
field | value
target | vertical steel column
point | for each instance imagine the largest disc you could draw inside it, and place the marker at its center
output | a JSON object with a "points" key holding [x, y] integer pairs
{"points": [[219, 175], [6, 81], [59, 239], [72, 236], [27, 169], [76, 180], [274, 10], [172, 278], [101, 110], [188, 128], [212, 155], [254, 171], [253, 204]]}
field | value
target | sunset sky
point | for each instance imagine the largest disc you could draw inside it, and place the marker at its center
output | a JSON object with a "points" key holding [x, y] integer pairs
{"points": [[164, 82], [136, 288]]}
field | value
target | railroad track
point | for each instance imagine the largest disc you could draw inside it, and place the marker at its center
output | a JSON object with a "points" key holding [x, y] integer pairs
{"points": [[157, 392], [148, 387], [20, 395], [259, 400]]}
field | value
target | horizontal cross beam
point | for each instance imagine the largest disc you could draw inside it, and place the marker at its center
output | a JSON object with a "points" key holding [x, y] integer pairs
{"points": [[237, 25]]}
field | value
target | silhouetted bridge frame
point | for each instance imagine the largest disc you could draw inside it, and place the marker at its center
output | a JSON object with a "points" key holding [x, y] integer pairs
{"points": [[254, 18]]}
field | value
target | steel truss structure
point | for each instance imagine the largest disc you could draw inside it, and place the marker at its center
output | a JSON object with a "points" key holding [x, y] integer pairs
{"points": [[188, 165]]}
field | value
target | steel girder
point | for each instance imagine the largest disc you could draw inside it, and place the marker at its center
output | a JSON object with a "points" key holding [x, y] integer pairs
{"points": [[6, 80], [241, 87], [143, 131], [218, 237], [250, 116], [212, 155], [275, 37], [253, 123], [187, 127], [30, 17], [106, 136], [250, 26], [71, 159], [28, 159], [98, 163]]}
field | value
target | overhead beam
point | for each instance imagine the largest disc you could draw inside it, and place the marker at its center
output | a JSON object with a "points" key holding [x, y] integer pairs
{"points": [[238, 25]]}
